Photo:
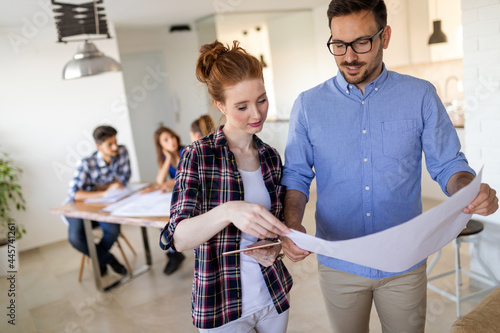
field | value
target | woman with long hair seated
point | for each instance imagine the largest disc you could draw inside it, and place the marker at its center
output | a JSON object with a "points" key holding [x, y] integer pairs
{"points": [[168, 151]]}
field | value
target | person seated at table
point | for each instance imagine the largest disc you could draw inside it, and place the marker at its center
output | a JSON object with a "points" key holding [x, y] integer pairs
{"points": [[201, 127], [168, 151], [106, 169]]}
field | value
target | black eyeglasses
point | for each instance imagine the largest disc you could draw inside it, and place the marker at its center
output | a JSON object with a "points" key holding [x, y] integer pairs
{"points": [[359, 46]]}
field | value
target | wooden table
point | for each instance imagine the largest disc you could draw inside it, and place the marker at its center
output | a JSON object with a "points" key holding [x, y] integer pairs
{"points": [[93, 212]]}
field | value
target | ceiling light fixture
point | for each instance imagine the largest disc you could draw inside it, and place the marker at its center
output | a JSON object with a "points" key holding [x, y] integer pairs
{"points": [[438, 36], [79, 19], [180, 27]]}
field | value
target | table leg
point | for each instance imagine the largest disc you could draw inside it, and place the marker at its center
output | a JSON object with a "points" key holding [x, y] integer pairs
{"points": [[147, 251], [87, 224]]}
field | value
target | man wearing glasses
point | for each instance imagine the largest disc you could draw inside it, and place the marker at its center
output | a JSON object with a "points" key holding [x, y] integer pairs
{"points": [[362, 134]]}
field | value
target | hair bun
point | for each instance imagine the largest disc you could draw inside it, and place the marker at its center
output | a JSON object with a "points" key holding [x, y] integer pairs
{"points": [[209, 53], [221, 66]]}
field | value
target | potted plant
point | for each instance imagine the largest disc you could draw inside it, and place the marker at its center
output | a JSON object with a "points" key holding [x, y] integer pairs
{"points": [[11, 198]]}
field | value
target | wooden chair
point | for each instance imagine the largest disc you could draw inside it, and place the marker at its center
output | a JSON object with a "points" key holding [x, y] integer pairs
{"points": [[82, 264]]}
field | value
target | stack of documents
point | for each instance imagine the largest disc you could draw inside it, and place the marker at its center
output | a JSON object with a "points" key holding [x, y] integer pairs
{"points": [[149, 204]]}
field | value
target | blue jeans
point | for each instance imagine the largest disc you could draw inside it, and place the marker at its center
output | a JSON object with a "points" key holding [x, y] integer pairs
{"points": [[76, 236]]}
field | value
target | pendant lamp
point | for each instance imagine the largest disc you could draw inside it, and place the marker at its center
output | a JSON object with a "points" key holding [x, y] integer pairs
{"points": [[84, 19], [437, 36], [88, 61]]}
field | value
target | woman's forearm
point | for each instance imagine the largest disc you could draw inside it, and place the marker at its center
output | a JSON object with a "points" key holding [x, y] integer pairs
{"points": [[161, 176], [197, 230], [251, 218]]}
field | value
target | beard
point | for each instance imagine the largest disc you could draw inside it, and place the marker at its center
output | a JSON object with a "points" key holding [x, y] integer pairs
{"points": [[368, 72]]}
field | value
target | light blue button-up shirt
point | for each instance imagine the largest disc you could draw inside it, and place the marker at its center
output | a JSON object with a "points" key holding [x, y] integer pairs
{"points": [[366, 154]]}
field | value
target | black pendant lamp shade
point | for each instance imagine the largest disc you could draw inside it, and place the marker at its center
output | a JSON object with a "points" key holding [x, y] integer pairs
{"points": [[438, 35]]}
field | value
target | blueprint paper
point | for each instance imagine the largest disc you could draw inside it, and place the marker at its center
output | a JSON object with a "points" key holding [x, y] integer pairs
{"points": [[401, 247], [141, 205], [113, 195]]}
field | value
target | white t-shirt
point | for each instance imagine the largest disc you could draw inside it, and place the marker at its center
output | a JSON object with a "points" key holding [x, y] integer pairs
{"points": [[255, 294]]}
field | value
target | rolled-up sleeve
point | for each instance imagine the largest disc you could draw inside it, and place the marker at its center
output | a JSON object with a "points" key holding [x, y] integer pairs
{"points": [[440, 142], [299, 155], [185, 196]]}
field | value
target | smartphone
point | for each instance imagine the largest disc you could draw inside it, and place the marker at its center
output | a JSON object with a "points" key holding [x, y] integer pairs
{"points": [[251, 248]]}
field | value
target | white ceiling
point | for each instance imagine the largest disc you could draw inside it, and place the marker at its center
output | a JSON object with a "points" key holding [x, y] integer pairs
{"points": [[151, 12]]}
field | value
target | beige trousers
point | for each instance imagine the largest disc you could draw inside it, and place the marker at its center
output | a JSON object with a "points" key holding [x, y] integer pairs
{"points": [[400, 300]]}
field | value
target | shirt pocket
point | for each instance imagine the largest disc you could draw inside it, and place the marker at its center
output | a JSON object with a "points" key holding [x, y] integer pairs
{"points": [[399, 138]]}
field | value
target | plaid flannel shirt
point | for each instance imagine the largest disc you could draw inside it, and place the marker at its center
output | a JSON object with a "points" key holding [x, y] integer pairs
{"points": [[207, 176], [93, 171]]}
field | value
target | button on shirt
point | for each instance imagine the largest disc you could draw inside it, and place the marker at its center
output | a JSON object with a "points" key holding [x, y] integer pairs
{"points": [[93, 171], [366, 150]]}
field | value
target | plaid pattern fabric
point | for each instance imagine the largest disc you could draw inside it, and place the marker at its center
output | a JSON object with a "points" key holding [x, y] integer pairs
{"points": [[93, 171], [207, 176]]}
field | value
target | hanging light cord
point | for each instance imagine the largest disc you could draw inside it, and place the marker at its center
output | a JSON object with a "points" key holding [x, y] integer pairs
{"points": [[96, 17]]}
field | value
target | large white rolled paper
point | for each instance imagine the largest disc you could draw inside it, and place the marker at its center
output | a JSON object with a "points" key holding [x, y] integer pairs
{"points": [[401, 247]]}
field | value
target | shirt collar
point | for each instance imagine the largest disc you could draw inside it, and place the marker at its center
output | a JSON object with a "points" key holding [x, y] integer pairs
{"points": [[379, 80], [220, 139], [100, 161]]}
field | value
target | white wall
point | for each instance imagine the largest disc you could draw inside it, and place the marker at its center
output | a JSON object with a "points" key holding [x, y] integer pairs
{"points": [[149, 105], [481, 21], [145, 78], [293, 52], [175, 101], [325, 62], [206, 30], [482, 89], [47, 122], [181, 54], [398, 53]]}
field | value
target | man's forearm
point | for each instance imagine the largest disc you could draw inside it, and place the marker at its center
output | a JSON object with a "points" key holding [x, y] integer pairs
{"points": [[294, 207], [84, 195], [458, 181]]}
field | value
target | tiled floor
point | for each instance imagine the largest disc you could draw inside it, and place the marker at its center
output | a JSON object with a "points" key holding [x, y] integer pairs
{"points": [[49, 297]]}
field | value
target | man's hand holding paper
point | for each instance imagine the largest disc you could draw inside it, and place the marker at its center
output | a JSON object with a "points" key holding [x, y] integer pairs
{"points": [[399, 248]]}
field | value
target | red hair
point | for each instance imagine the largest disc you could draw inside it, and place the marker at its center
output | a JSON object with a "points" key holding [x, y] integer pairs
{"points": [[220, 67]]}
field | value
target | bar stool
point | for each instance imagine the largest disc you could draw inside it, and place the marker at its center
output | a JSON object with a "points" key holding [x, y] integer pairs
{"points": [[470, 235]]}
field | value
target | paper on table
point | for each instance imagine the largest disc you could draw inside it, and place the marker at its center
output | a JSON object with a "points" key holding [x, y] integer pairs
{"points": [[149, 204], [114, 195], [401, 247]]}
